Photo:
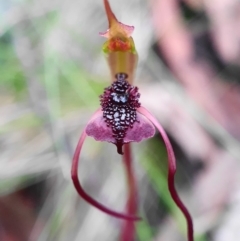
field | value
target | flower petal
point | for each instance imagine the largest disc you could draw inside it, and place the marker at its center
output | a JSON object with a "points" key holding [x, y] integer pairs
{"points": [[142, 129], [105, 34], [98, 129]]}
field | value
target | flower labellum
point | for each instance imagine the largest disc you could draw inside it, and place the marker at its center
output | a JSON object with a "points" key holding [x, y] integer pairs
{"points": [[119, 122]]}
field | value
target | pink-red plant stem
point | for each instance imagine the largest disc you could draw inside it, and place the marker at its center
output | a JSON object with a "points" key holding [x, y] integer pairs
{"points": [[128, 230], [171, 171], [83, 194]]}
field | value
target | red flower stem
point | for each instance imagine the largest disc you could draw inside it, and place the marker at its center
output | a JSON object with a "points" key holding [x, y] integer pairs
{"points": [[171, 171], [83, 194], [128, 231]]}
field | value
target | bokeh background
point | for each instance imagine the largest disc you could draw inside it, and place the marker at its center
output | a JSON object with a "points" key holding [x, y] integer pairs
{"points": [[52, 72]]}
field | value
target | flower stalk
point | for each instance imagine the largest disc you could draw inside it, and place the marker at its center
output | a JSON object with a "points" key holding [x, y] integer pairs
{"points": [[79, 188], [128, 229]]}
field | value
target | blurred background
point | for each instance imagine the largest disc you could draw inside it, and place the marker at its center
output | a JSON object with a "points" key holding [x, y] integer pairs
{"points": [[52, 72]]}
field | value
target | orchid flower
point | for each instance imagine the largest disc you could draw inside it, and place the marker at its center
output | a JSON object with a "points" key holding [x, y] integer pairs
{"points": [[121, 120]]}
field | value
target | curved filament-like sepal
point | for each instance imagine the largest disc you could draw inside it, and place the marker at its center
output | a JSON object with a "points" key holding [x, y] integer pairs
{"points": [[171, 171], [81, 191]]}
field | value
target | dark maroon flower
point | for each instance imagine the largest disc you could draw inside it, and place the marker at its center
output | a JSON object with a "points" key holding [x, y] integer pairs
{"points": [[122, 120], [117, 122]]}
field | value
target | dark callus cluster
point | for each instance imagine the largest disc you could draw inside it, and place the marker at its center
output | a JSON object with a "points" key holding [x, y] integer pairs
{"points": [[119, 104]]}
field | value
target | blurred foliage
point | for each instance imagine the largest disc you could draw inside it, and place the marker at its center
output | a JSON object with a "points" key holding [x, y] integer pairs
{"points": [[12, 77]]}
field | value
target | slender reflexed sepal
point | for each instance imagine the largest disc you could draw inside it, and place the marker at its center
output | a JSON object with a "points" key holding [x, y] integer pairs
{"points": [[171, 171], [81, 191]]}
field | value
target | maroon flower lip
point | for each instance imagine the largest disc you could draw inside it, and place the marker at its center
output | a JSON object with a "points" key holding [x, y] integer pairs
{"points": [[141, 129], [119, 122]]}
